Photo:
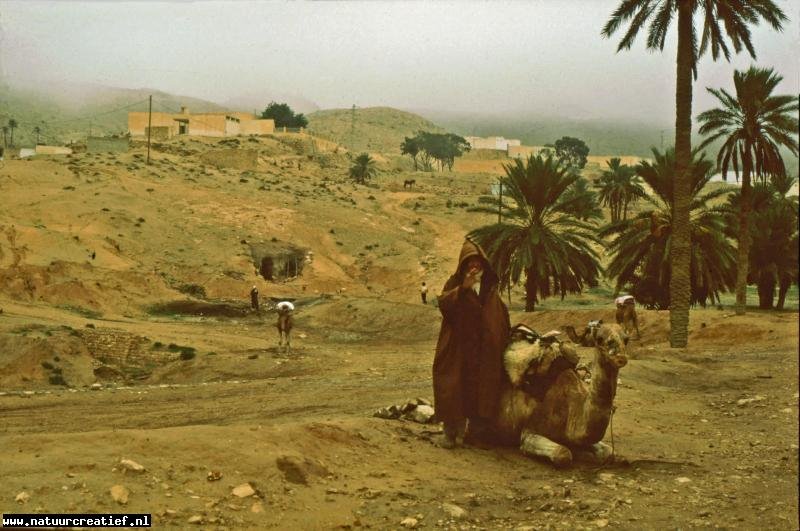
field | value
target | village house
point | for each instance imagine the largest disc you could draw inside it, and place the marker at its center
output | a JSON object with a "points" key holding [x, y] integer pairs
{"points": [[165, 125], [491, 142]]}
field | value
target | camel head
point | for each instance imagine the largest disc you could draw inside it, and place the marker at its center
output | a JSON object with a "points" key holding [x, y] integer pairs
{"points": [[611, 344]]}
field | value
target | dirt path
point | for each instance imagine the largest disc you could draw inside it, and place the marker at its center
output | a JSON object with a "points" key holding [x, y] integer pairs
{"points": [[709, 436]]}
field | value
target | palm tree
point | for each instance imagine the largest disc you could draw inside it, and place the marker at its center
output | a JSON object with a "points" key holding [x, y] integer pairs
{"points": [[754, 125], [586, 203], [5, 136], [641, 246], [363, 169], [773, 259], [12, 124], [618, 187], [543, 233], [37, 131], [736, 17]]}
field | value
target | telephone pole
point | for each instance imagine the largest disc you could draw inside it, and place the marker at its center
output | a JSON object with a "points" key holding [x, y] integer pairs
{"points": [[149, 126]]}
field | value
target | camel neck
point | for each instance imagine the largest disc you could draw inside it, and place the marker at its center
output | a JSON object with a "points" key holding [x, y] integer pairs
{"points": [[604, 383]]}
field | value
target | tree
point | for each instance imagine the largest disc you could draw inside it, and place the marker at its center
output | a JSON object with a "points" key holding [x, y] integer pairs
{"points": [[736, 18], [363, 169], [12, 124], [754, 125], [572, 151], [619, 186], [37, 131], [641, 246], [411, 146], [543, 233], [444, 148], [283, 115], [773, 258], [5, 136], [586, 200]]}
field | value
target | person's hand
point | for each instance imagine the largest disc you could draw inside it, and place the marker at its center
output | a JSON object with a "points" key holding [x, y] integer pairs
{"points": [[471, 278]]}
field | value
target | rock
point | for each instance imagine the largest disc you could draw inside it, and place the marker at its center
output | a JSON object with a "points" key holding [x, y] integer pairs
{"points": [[454, 511], [683, 480], [196, 519], [22, 497], [243, 491], [120, 494], [129, 465], [601, 522], [744, 401], [214, 475], [96, 386], [410, 523], [257, 507]]}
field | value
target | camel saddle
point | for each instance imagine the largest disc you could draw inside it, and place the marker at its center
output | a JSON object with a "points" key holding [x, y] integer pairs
{"points": [[566, 358]]}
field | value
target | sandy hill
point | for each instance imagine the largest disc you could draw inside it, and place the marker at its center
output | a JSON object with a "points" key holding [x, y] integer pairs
{"points": [[380, 129]]}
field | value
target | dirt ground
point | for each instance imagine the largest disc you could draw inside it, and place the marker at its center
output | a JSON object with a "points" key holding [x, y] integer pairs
{"points": [[705, 437]]}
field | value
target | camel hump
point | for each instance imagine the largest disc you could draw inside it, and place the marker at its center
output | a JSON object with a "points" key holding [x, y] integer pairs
{"points": [[537, 358]]}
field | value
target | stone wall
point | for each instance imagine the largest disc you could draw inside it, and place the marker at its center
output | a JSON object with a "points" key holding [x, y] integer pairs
{"points": [[121, 348]]}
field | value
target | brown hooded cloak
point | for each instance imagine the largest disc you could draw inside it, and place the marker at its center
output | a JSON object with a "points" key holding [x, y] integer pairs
{"points": [[468, 366]]}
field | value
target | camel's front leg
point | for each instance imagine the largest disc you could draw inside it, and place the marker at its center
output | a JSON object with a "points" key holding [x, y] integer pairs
{"points": [[536, 445], [599, 453]]}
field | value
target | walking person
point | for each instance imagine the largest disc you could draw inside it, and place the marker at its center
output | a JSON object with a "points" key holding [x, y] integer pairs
{"points": [[254, 298], [468, 365], [423, 293]]}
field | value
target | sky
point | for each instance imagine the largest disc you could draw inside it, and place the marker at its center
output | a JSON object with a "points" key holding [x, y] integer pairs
{"points": [[535, 56]]}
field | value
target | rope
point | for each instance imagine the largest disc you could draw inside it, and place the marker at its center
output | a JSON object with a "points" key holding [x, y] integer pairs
{"points": [[611, 421]]}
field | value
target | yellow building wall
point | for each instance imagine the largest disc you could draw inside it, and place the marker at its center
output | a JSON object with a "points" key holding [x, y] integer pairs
{"points": [[137, 122], [53, 150], [257, 127], [207, 124]]}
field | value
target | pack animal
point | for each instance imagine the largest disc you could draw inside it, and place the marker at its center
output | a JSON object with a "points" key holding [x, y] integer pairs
{"points": [[626, 314], [589, 335], [409, 183], [285, 324], [547, 409]]}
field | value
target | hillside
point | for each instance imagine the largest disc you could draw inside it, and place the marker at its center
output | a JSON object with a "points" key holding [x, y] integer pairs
{"points": [[373, 129], [71, 112]]}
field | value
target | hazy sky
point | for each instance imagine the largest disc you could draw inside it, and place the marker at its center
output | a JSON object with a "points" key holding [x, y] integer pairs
{"points": [[542, 56]]}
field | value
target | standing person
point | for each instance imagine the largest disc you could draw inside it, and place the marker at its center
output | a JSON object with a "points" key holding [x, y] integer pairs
{"points": [[468, 366], [254, 298], [423, 292]]}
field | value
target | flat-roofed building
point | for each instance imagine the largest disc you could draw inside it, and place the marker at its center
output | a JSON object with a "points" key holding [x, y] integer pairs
{"points": [[218, 124]]}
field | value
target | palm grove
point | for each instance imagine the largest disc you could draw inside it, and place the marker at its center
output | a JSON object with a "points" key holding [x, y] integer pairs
{"points": [[686, 242]]}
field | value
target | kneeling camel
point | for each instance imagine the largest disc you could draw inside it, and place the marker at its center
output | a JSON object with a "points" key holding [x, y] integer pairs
{"points": [[547, 409]]}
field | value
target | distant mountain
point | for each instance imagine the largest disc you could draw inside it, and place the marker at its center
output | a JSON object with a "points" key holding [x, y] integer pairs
{"points": [[72, 111], [380, 129], [258, 102], [604, 137]]}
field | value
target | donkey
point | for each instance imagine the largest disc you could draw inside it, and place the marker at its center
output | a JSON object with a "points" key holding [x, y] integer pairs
{"points": [[285, 324], [409, 183]]}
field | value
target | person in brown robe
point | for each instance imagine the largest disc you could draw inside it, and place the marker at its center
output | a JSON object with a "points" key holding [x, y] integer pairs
{"points": [[468, 366]]}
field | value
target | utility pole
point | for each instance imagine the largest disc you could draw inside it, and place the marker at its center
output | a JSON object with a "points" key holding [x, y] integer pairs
{"points": [[149, 126]]}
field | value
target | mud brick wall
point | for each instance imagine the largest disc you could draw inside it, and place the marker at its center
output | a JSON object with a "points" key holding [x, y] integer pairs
{"points": [[122, 348]]}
